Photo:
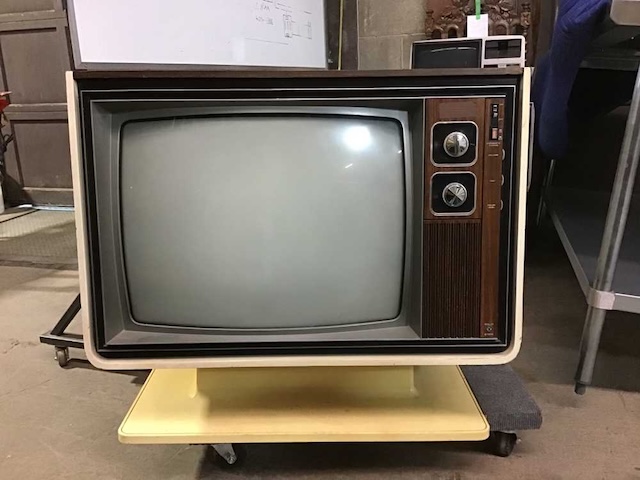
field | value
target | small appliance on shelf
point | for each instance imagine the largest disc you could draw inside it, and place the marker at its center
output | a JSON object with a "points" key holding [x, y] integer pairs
{"points": [[489, 52]]}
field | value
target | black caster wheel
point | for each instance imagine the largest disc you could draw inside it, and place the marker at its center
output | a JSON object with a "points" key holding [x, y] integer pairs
{"points": [[503, 443], [62, 356], [229, 460]]}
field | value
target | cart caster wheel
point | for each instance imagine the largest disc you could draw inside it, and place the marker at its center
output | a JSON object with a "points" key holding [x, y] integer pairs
{"points": [[503, 443], [229, 456], [62, 356]]}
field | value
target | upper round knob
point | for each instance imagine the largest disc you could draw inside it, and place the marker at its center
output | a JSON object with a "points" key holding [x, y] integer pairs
{"points": [[454, 194], [456, 144]]}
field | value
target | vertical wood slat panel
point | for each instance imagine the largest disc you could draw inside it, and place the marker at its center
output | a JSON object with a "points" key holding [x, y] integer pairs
{"points": [[452, 278]]}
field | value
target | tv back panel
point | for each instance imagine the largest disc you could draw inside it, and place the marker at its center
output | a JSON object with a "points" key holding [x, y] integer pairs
{"points": [[230, 219]]}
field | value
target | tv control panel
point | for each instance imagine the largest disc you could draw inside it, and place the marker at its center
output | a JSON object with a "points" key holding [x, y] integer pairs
{"points": [[463, 202]]}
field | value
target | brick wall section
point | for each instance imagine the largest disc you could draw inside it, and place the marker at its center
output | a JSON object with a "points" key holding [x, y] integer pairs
{"points": [[386, 30]]}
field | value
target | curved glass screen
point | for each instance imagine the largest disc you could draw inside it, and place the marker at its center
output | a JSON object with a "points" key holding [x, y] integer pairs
{"points": [[263, 221]]}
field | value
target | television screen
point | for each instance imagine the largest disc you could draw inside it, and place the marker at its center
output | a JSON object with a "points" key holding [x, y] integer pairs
{"points": [[263, 222]]}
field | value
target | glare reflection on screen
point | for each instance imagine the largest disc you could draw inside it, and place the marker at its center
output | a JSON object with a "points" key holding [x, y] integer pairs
{"points": [[357, 138]]}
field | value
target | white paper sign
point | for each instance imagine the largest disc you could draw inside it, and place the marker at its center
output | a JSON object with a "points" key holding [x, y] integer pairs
{"points": [[478, 28]]}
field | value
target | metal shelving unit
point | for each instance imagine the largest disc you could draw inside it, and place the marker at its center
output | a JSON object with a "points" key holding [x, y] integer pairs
{"points": [[601, 236]]}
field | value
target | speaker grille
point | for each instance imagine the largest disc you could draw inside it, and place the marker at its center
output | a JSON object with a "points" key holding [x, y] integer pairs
{"points": [[452, 263]]}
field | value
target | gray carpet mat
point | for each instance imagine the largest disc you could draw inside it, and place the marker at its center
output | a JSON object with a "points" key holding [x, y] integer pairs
{"points": [[503, 398], [38, 238]]}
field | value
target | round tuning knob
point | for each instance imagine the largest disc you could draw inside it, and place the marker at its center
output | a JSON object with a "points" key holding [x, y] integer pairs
{"points": [[456, 144], [454, 195]]}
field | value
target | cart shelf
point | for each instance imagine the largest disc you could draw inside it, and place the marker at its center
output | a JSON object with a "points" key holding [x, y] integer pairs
{"points": [[579, 217]]}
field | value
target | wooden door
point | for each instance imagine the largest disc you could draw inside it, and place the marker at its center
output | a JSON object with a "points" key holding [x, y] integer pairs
{"points": [[34, 54]]}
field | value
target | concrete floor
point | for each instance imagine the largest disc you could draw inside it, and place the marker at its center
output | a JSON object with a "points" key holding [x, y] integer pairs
{"points": [[61, 423]]}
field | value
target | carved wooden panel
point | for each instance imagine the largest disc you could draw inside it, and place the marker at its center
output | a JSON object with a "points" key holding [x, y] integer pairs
{"points": [[448, 19]]}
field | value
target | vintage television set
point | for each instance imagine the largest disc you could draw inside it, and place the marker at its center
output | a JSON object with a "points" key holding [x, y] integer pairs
{"points": [[231, 219]]}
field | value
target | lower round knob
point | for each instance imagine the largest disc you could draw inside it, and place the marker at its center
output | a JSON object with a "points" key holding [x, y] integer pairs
{"points": [[454, 195]]}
